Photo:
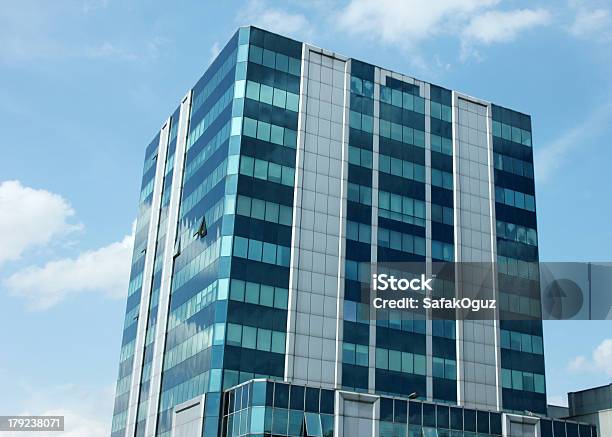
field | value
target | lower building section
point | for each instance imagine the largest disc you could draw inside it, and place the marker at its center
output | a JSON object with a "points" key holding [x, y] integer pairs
{"points": [[272, 408], [593, 405]]}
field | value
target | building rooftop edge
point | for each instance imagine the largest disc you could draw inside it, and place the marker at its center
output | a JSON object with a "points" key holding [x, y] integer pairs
{"points": [[378, 66], [591, 389]]}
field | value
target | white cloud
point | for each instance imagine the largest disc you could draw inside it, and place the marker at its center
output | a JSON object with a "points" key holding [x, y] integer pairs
{"points": [[578, 363], [591, 20], [601, 360], [90, 6], [215, 49], [587, 23], [104, 270], [108, 50], [410, 22], [503, 26], [87, 411], [552, 156], [407, 22], [259, 14], [35, 218], [152, 49], [602, 356], [30, 218]]}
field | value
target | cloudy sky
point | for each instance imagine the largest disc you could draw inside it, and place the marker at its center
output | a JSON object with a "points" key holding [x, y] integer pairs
{"points": [[86, 83]]}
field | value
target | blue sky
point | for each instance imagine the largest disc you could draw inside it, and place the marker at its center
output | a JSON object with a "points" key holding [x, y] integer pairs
{"points": [[86, 83]]}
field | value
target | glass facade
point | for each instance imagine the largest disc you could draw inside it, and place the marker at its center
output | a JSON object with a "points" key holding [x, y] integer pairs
{"points": [[282, 173], [523, 380], [124, 379], [267, 408], [262, 407], [257, 308], [356, 329], [193, 348]]}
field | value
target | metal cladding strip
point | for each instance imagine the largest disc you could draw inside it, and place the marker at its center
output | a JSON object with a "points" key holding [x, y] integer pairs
{"points": [[374, 227], [295, 224], [462, 398], [342, 232], [168, 264], [496, 321], [457, 241], [425, 91], [147, 275], [302, 364]]}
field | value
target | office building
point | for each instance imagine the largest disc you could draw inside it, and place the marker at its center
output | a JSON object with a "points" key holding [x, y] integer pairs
{"points": [[593, 405], [280, 173]]}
